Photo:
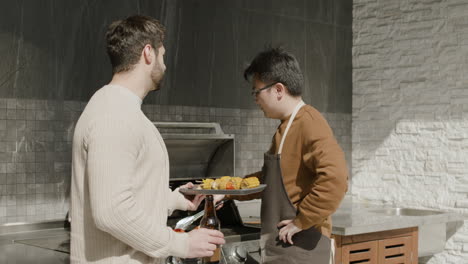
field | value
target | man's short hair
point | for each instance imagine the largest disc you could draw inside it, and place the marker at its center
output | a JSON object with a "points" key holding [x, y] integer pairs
{"points": [[277, 65], [126, 39]]}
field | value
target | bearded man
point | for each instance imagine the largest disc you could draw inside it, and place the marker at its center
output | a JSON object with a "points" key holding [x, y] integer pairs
{"points": [[120, 197]]}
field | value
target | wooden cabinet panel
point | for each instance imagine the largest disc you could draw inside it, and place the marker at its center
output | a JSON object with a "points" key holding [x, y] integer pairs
{"points": [[395, 250], [360, 252], [387, 247]]}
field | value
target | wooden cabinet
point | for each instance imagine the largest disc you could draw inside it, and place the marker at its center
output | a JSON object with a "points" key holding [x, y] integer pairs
{"points": [[365, 252], [387, 247]]}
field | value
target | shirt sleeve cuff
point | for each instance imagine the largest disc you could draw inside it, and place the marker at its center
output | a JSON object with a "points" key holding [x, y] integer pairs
{"points": [[178, 201], [303, 222], [178, 245], [298, 223]]}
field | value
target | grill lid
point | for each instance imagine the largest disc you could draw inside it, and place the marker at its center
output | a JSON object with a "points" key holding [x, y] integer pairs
{"points": [[197, 150]]}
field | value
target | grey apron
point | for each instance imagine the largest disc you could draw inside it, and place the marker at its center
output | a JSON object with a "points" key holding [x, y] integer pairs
{"points": [[310, 246]]}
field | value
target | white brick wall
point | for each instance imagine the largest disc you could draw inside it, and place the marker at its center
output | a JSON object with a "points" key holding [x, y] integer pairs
{"points": [[410, 109]]}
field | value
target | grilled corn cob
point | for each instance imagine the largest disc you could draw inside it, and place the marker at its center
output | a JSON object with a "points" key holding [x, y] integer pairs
{"points": [[224, 182], [236, 181], [207, 184], [225, 178], [250, 182]]}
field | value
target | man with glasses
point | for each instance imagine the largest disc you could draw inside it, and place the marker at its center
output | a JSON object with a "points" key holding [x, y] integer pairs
{"points": [[305, 169]]}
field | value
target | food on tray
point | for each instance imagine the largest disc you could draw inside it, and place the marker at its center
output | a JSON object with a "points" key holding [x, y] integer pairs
{"points": [[206, 184], [250, 182], [236, 182], [224, 183], [229, 183]]}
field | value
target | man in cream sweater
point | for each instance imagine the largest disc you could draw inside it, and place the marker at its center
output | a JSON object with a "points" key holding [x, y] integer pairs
{"points": [[120, 198]]}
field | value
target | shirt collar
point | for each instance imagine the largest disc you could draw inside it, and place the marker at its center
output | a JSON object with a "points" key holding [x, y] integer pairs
{"points": [[125, 91]]}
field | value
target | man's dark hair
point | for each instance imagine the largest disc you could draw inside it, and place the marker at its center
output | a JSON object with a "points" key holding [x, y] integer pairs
{"points": [[126, 39], [277, 65]]}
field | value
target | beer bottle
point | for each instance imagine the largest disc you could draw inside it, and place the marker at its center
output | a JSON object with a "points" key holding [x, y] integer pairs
{"points": [[211, 221]]}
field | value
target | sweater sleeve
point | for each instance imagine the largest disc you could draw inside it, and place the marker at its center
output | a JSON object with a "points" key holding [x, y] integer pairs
{"points": [[176, 201], [113, 148], [323, 156]]}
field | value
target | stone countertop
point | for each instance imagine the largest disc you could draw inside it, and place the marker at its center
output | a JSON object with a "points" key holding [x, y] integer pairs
{"points": [[354, 217]]}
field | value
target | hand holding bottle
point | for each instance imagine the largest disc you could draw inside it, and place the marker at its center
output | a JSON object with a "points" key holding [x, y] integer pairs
{"points": [[203, 242]]}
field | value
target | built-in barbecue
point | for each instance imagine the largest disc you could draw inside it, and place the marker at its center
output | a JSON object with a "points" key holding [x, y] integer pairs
{"points": [[202, 150]]}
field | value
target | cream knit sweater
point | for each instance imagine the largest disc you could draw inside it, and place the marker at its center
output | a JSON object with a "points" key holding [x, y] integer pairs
{"points": [[120, 197]]}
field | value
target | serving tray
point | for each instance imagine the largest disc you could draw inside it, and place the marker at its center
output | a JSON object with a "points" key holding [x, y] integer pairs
{"points": [[194, 190]]}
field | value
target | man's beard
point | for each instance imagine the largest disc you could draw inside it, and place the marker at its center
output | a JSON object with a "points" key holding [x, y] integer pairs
{"points": [[157, 75]]}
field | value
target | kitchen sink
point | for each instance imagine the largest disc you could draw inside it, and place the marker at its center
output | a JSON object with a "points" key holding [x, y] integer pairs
{"points": [[405, 212], [431, 237]]}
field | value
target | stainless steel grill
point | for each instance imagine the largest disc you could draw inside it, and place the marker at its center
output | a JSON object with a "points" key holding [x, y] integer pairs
{"points": [[202, 150], [197, 150]]}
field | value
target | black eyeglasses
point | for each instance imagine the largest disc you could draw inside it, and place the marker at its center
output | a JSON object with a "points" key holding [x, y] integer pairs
{"points": [[256, 92]]}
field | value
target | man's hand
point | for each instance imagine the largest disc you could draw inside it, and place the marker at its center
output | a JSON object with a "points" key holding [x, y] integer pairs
{"points": [[192, 201], [193, 204], [287, 231], [218, 198], [203, 242]]}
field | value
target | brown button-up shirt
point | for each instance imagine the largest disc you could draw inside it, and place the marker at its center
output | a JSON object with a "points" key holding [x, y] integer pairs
{"points": [[313, 168]]}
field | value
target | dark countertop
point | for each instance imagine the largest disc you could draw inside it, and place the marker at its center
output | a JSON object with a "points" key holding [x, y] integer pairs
{"points": [[50, 246], [13, 251]]}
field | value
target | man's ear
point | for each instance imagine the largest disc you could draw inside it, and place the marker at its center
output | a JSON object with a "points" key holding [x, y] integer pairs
{"points": [[280, 90], [147, 54]]}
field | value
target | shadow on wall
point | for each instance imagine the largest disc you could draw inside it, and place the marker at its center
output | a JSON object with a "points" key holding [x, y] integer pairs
{"points": [[417, 163]]}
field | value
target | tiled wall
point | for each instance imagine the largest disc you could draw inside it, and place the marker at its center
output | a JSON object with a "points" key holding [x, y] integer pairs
{"points": [[35, 158], [35, 149]]}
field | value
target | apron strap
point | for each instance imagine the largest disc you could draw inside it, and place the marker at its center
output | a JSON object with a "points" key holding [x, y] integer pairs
{"points": [[291, 119]]}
